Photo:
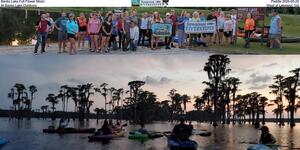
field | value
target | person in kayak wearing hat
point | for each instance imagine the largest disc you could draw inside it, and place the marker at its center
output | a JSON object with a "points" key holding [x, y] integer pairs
{"points": [[266, 137], [181, 131]]}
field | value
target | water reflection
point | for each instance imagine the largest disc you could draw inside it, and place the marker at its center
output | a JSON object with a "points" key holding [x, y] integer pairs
{"points": [[27, 134]]}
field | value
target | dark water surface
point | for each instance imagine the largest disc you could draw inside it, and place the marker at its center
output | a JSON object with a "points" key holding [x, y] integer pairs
{"points": [[28, 135]]}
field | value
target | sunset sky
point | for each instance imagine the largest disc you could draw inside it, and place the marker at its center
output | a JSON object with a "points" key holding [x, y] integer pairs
{"points": [[161, 73]]}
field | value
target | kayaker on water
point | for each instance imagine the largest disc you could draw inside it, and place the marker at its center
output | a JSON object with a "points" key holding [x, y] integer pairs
{"points": [[181, 131], [62, 124], [191, 127], [105, 128], [266, 137]]}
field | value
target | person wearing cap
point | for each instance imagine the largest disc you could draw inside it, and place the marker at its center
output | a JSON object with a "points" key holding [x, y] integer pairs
{"points": [[72, 30], [42, 30], [181, 131], [168, 39], [60, 25], [266, 137], [275, 29]]}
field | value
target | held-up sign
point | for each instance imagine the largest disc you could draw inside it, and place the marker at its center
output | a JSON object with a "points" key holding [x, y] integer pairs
{"points": [[200, 27], [161, 29]]}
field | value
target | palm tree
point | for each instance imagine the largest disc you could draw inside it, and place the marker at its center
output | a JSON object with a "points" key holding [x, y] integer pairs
{"points": [[234, 82], [20, 88], [278, 90], [51, 98], [216, 69], [32, 90], [199, 103]]}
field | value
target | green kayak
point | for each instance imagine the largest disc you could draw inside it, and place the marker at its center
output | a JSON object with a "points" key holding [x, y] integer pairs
{"points": [[135, 135]]}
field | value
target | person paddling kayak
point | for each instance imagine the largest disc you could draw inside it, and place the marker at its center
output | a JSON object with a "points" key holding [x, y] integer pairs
{"points": [[105, 129], [181, 131], [266, 137]]}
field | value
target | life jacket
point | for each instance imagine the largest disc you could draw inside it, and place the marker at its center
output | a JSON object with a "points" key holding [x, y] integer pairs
{"points": [[82, 22], [249, 24]]}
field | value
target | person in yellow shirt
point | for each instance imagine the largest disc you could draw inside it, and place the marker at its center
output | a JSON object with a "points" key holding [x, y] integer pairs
{"points": [[249, 28]]}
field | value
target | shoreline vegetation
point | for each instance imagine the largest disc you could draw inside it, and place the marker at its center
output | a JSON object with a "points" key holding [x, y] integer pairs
{"points": [[220, 102]]}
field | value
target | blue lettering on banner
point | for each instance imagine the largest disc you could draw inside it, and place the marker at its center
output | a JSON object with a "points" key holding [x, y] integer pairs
{"points": [[200, 27]]}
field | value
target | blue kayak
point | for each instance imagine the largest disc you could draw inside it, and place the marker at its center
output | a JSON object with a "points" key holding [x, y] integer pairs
{"points": [[3, 142], [174, 144], [262, 147]]}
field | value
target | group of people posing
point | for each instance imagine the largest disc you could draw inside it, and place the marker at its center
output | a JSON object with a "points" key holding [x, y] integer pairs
{"points": [[127, 31]]}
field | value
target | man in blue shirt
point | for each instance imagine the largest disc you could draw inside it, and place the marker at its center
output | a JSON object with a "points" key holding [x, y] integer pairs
{"points": [[275, 30], [60, 25]]}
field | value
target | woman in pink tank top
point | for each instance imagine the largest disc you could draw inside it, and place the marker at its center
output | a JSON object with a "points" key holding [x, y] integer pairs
{"points": [[93, 30]]}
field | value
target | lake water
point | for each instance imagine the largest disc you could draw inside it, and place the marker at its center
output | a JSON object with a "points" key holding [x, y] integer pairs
{"points": [[28, 135]]}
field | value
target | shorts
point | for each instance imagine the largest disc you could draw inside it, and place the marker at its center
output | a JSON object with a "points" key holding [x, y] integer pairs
{"points": [[105, 35], [82, 32], [71, 35], [82, 29], [220, 30], [62, 36], [228, 33], [93, 34], [274, 36]]}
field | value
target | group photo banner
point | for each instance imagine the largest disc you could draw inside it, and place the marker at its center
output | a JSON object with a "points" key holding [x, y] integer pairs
{"points": [[65, 3], [161, 29], [216, 3], [200, 27]]}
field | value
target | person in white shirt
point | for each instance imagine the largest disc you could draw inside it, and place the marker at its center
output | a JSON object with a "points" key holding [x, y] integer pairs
{"points": [[50, 29], [228, 28], [143, 28], [134, 35], [234, 19]]}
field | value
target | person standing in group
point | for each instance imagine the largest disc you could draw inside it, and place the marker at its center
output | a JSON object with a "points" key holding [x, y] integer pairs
{"points": [[234, 22], [133, 16], [99, 16], [112, 44], [120, 30], [186, 19], [42, 30], [72, 30], [126, 31], [193, 37], [275, 30], [174, 19], [82, 23], [249, 28], [149, 29], [202, 36], [220, 28], [134, 36], [60, 25], [155, 39], [106, 32], [168, 39], [210, 17], [50, 29], [143, 29], [93, 28], [181, 33], [228, 28]]}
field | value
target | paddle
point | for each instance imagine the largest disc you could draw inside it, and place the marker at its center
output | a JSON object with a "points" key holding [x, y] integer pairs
{"points": [[271, 145]]}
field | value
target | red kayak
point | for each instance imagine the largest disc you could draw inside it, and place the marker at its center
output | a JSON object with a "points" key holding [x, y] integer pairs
{"points": [[70, 130]]}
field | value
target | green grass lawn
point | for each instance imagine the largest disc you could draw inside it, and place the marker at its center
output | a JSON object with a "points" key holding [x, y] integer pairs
{"points": [[255, 48]]}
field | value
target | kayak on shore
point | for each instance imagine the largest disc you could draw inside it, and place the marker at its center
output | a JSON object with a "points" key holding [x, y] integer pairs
{"points": [[263, 147], [175, 144], [70, 130], [107, 137], [3, 141]]}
